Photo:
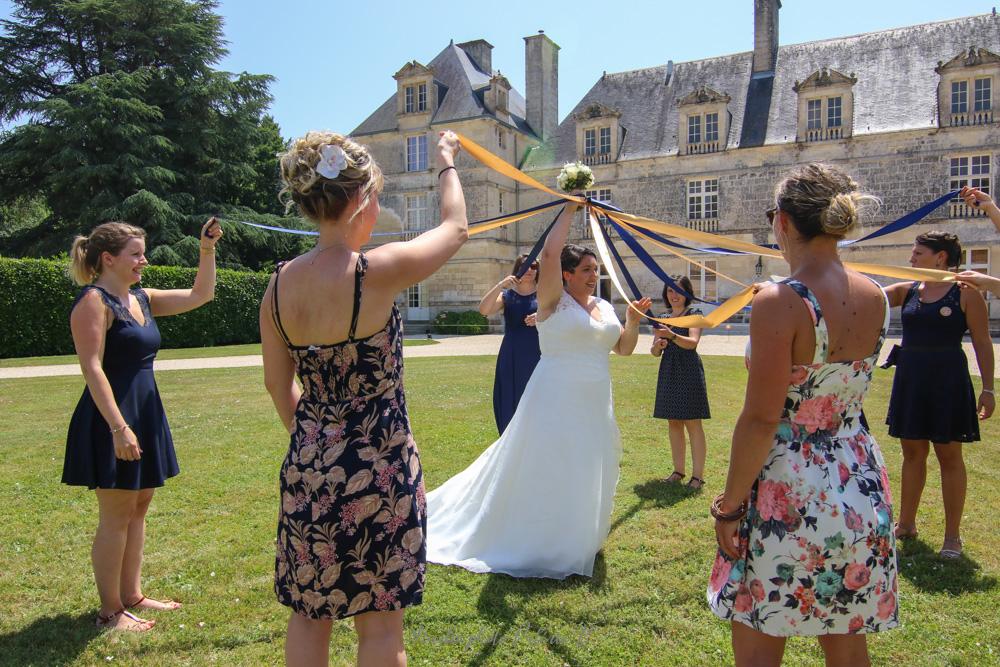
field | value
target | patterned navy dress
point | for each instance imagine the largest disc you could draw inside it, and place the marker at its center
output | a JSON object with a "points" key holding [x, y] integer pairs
{"points": [[680, 385], [129, 351], [351, 531], [932, 394]]}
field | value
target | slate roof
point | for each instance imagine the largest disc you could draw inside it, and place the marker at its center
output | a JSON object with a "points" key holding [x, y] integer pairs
{"points": [[460, 85], [896, 88]]}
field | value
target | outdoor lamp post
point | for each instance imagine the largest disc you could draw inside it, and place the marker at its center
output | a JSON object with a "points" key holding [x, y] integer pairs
{"points": [[758, 269]]}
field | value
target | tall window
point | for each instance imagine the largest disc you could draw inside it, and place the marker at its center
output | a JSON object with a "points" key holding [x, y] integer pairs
{"points": [[703, 199], [500, 201], [704, 282], [834, 112], [971, 170], [959, 96], [984, 94], [415, 98], [415, 296], [814, 114], [602, 195], [417, 213], [694, 129], [501, 138], [605, 145], [589, 142], [711, 127], [416, 153]]}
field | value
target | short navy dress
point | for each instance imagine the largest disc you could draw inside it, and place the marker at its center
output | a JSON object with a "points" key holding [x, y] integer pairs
{"points": [[681, 392], [129, 351], [932, 394], [519, 354]]}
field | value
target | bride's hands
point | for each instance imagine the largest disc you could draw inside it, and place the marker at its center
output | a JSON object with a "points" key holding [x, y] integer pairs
{"points": [[633, 318]]}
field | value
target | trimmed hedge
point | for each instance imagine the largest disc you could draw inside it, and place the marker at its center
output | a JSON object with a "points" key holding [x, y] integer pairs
{"points": [[465, 323], [37, 296]]}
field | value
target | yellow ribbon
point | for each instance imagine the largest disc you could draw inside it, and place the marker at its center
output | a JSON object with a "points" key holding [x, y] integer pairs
{"points": [[634, 222]]}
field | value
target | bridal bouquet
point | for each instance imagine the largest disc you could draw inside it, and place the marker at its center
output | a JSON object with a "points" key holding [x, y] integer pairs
{"points": [[575, 176]]}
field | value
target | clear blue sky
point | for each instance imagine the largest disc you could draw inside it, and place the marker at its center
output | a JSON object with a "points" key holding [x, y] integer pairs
{"points": [[334, 60]]}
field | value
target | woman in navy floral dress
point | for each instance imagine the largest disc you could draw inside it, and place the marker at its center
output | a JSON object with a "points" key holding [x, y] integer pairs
{"points": [[805, 524], [351, 530]]}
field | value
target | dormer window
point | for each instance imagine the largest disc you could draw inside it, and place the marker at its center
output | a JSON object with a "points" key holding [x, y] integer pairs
{"points": [[704, 115], [965, 93], [416, 98], [597, 134], [826, 105]]}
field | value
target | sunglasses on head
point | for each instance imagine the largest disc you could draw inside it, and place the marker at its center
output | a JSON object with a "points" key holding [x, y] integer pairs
{"points": [[770, 213]]}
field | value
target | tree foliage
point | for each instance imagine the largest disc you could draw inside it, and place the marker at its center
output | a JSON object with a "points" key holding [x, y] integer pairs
{"points": [[115, 111]]}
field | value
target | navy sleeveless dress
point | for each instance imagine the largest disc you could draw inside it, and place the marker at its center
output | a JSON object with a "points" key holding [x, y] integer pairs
{"points": [[129, 351], [519, 354], [932, 394], [680, 385], [353, 521]]}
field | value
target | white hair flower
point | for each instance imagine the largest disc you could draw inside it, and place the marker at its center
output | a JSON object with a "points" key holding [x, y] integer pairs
{"points": [[332, 161]]}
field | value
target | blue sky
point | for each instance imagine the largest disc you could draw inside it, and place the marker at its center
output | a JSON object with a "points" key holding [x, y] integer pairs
{"points": [[334, 60]]}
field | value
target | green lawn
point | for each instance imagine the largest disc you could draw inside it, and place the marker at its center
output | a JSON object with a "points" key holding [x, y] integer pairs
{"points": [[179, 353], [211, 535]]}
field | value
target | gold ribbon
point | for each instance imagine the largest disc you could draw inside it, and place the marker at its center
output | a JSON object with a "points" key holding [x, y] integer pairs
{"points": [[636, 222]]}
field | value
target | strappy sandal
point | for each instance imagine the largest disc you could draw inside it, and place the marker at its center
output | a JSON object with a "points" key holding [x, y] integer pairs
{"points": [[170, 604], [902, 534], [951, 553], [675, 478], [106, 623], [695, 483]]}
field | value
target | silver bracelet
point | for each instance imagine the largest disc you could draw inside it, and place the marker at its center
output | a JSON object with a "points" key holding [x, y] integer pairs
{"points": [[120, 429], [990, 392]]}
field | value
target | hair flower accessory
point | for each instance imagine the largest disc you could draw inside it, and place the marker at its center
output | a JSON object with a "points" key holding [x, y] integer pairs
{"points": [[332, 161]]}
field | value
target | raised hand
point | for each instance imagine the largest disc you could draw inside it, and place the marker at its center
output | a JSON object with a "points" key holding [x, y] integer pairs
{"points": [[632, 318], [974, 196], [509, 282], [211, 232], [448, 146]]}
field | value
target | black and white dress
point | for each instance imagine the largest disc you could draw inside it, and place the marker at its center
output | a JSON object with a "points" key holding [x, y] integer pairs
{"points": [[680, 386]]}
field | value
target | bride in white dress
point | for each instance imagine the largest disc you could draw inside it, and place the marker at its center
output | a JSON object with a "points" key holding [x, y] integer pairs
{"points": [[537, 502]]}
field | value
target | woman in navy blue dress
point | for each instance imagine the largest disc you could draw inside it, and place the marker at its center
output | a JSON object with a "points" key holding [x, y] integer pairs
{"points": [[118, 441], [933, 401], [519, 351]]}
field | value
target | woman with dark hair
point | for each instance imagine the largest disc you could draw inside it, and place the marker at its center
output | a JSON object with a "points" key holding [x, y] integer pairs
{"points": [[804, 526], [681, 396], [519, 351], [932, 399], [537, 503]]}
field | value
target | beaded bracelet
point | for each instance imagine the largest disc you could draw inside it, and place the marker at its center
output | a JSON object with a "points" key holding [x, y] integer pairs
{"points": [[720, 515]]}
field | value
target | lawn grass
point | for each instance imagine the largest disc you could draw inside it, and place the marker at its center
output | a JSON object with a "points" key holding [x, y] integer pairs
{"points": [[211, 536], [178, 353]]}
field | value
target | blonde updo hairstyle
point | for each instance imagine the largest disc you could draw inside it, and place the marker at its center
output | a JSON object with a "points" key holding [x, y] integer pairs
{"points": [[320, 198], [85, 254], [821, 200]]}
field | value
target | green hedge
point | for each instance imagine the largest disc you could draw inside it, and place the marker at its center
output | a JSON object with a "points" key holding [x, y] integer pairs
{"points": [[37, 296], [465, 323]]}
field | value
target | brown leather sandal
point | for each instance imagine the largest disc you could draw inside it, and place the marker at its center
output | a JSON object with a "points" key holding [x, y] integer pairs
{"points": [[105, 623], [675, 478], [695, 483]]}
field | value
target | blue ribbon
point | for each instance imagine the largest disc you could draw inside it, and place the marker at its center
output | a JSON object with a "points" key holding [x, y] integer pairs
{"points": [[537, 248], [905, 221]]}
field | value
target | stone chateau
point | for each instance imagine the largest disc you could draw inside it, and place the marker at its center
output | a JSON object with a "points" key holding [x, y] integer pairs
{"points": [[908, 111]]}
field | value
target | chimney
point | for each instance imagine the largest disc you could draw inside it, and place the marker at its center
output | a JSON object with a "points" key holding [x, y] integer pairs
{"points": [[765, 34], [481, 53], [541, 76]]}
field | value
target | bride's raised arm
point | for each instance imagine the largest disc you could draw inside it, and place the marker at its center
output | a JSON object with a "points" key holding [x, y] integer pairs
{"points": [[550, 286]]}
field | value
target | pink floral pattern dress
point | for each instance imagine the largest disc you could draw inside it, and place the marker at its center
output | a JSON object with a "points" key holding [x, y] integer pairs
{"points": [[819, 555], [352, 525]]}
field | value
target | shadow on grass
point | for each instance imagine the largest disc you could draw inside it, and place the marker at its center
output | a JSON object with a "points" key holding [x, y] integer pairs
{"points": [[501, 603], [926, 570], [53, 640], [655, 494]]}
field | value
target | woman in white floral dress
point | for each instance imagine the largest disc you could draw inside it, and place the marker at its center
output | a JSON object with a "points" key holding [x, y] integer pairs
{"points": [[805, 523]]}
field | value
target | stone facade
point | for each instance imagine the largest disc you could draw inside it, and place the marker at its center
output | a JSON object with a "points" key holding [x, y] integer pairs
{"points": [[885, 106]]}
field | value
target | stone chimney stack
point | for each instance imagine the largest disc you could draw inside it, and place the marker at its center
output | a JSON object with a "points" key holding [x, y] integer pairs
{"points": [[481, 53], [765, 34], [541, 76]]}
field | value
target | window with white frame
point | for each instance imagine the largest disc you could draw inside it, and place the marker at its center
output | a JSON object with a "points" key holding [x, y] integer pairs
{"points": [[959, 96], [834, 112], [590, 142], [711, 127], [972, 171], [601, 195], [416, 153], [984, 94], [824, 118], [814, 114], [604, 147], [416, 296], [415, 98], [417, 213], [704, 281], [971, 101], [694, 129], [703, 204], [501, 138]]}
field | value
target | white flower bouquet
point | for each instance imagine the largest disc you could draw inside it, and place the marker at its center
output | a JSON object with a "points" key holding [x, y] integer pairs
{"points": [[575, 176]]}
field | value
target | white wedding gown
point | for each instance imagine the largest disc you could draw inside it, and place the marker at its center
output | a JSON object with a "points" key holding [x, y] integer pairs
{"points": [[537, 502]]}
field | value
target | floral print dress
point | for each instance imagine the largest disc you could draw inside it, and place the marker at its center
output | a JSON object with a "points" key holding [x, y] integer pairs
{"points": [[819, 551], [353, 511]]}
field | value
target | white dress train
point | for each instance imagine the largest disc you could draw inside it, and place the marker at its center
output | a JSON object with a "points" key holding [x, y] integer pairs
{"points": [[538, 501]]}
